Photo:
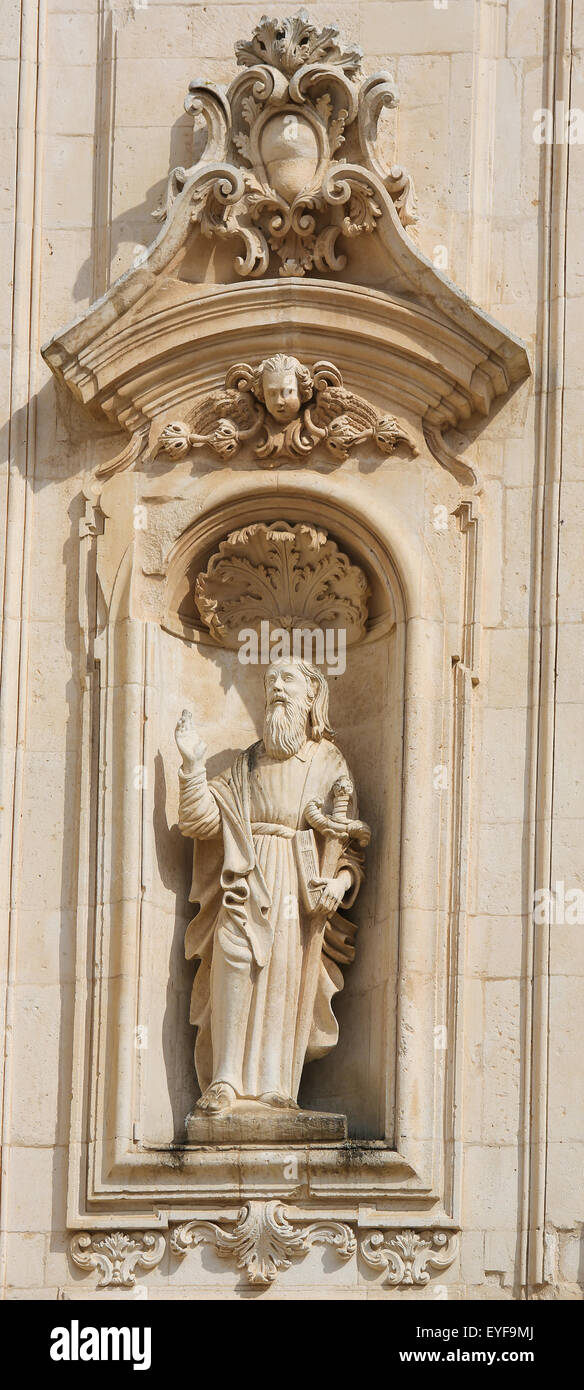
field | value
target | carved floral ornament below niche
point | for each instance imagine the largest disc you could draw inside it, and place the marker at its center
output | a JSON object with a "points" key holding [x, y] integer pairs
{"points": [[284, 410], [116, 1254], [291, 577], [268, 174], [264, 1241]]}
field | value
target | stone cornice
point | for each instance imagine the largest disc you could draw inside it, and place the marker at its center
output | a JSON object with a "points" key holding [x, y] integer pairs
{"points": [[441, 369]]}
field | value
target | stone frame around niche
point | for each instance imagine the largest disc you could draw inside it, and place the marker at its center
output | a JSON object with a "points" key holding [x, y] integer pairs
{"points": [[113, 1178]]}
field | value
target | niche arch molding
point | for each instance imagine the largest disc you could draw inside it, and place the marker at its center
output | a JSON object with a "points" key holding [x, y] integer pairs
{"points": [[190, 552]]}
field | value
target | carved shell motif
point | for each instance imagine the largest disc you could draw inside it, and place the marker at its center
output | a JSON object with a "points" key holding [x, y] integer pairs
{"points": [[289, 576]]}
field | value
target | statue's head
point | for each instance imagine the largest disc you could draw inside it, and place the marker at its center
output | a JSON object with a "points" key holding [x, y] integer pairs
{"points": [[296, 706], [283, 385]]}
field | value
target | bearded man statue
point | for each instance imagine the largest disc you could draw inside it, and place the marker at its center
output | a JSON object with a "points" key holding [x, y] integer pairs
{"points": [[268, 935]]}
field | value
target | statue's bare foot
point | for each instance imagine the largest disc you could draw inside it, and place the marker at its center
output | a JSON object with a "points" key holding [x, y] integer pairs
{"points": [[275, 1098], [218, 1098]]}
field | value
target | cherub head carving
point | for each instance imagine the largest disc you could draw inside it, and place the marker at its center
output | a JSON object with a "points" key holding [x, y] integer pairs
{"points": [[282, 384]]}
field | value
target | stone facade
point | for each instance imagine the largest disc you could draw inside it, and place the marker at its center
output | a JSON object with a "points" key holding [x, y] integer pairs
{"points": [[344, 355]]}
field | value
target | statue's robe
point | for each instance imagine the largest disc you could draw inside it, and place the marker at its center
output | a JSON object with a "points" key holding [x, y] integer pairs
{"points": [[245, 880]]}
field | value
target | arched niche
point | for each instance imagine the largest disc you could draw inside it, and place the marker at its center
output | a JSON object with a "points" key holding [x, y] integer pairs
{"points": [[367, 714], [150, 671]]}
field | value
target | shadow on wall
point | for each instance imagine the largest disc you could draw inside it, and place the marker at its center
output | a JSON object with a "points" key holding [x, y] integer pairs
{"points": [[134, 227], [174, 859]]}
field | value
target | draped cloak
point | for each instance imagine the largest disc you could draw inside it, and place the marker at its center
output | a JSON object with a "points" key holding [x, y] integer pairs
{"points": [[241, 876]]}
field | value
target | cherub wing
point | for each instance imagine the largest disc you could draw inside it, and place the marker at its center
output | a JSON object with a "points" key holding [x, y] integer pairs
{"points": [[335, 400], [227, 404]]}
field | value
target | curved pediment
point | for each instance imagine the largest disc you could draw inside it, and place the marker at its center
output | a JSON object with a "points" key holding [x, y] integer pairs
{"points": [[264, 241], [176, 346]]}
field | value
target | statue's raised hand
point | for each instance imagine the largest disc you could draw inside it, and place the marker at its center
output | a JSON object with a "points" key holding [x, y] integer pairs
{"points": [[190, 746]]}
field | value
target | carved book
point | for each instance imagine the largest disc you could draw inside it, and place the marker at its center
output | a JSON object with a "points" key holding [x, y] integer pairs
{"points": [[308, 868]]}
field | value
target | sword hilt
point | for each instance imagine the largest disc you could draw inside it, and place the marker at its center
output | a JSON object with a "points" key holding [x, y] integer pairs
{"points": [[338, 826]]}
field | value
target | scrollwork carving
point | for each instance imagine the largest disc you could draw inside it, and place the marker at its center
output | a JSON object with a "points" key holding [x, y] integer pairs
{"points": [[264, 1240], [376, 94], [408, 1256], [208, 101], [279, 127], [128, 456], [116, 1254]]}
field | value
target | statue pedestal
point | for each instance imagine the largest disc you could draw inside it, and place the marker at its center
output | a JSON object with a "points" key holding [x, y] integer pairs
{"points": [[254, 1123]]}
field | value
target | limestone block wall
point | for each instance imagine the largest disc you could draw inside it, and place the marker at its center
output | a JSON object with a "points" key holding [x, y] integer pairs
{"points": [[92, 122]]}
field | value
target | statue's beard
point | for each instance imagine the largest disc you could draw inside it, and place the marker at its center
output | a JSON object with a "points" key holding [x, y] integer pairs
{"points": [[285, 728]]}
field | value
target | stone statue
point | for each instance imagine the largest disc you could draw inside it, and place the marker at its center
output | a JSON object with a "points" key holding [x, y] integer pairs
{"points": [[277, 854]]}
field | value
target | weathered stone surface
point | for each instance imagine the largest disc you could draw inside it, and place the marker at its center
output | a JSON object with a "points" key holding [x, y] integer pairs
{"points": [[249, 1124], [422, 416]]}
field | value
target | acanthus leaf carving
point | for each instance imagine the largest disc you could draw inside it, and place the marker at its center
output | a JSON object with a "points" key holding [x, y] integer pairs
{"points": [[289, 44], [285, 410], [408, 1255], [264, 1240], [288, 576], [116, 1254]]}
